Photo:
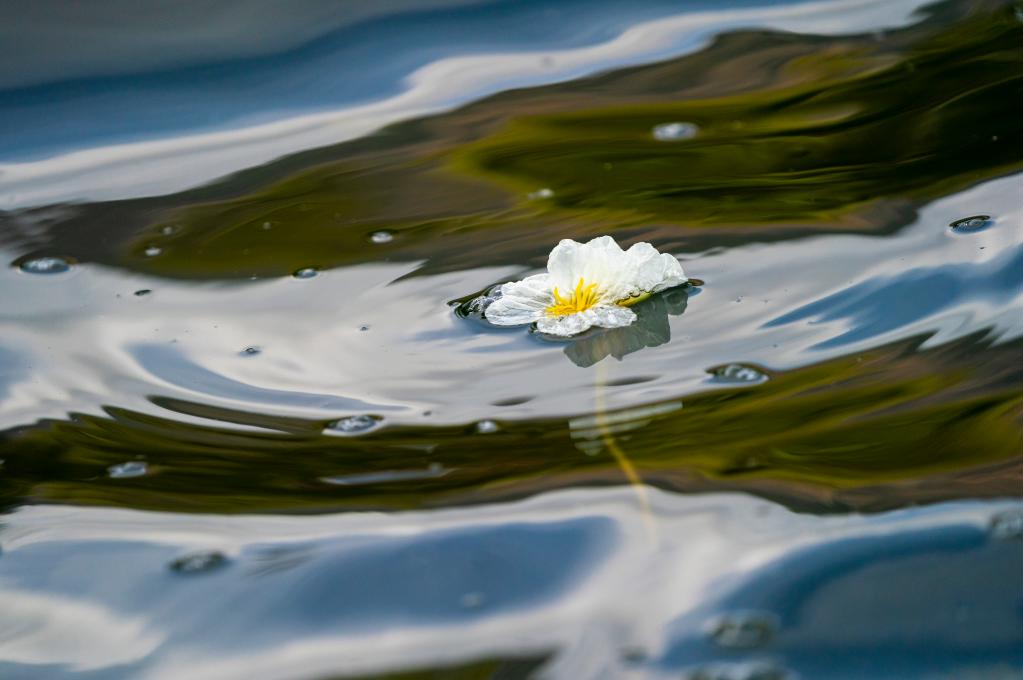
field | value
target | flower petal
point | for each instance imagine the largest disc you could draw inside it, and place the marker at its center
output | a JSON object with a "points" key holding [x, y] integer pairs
{"points": [[604, 316], [521, 302], [599, 261], [619, 274], [651, 271]]}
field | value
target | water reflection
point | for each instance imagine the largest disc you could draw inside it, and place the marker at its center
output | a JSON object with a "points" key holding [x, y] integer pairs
{"points": [[244, 435], [569, 574], [650, 329], [423, 72]]}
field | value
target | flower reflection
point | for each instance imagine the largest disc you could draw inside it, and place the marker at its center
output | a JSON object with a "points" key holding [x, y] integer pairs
{"points": [[650, 329]]}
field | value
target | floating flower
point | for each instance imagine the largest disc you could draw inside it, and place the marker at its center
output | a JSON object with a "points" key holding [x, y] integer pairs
{"points": [[586, 284]]}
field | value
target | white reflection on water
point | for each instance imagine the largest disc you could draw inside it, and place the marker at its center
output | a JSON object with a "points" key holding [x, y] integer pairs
{"points": [[39, 629], [69, 343], [570, 572], [165, 165]]}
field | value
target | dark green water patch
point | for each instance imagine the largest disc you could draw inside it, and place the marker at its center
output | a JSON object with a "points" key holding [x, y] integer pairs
{"points": [[859, 426], [795, 135]]}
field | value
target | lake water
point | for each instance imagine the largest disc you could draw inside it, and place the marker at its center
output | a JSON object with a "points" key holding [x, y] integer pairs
{"points": [[250, 426]]}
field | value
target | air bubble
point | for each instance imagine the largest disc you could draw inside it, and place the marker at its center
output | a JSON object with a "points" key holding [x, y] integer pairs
{"points": [[199, 562], [134, 468], [143, 292], [476, 307], [152, 251], [972, 224], [45, 265], [251, 351], [540, 194], [487, 427], [674, 132], [305, 273], [380, 237], [1007, 526], [354, 424], [737, 374]]}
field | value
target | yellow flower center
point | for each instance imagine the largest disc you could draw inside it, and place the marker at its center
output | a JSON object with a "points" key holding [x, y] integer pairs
{"points": [[579, 300]]}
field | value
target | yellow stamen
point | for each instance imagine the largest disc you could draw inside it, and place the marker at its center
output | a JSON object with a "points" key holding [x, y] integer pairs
{"points": [[582, 298]]}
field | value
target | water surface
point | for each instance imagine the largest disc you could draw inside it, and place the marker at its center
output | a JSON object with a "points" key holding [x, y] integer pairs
{"points": [[245, 431]]}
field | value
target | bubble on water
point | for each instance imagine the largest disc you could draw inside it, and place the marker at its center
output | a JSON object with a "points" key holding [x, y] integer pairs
{"points": [[305, 273], [143, 292], [195, 563], [972, 224], [1007, 525], [540, 194], [363, 328], [487, 427], [737, 374], [152, 251], [169, 229], [472, 600], [674, 132], [45, 265], [251, 351], [743, 630], [379, 237], [267, 226], [744, 670], [133, 468], [476, 307], [354, 424]]}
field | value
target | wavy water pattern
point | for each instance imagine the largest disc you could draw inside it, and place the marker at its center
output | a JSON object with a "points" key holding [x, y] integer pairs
{"points": [[254, 421]]}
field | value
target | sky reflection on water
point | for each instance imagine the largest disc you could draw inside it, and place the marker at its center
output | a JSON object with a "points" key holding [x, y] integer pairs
{"points": [[573, 574], [804, 465], [432, 81]]}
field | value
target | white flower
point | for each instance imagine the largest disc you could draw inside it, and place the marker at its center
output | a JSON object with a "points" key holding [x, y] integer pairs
{"points": [[586, 284]]}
